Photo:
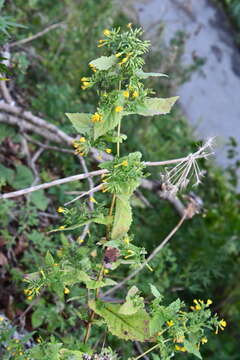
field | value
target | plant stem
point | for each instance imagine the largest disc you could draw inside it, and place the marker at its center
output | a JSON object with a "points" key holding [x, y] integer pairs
{"points": [[146, 352], [119, 126]]}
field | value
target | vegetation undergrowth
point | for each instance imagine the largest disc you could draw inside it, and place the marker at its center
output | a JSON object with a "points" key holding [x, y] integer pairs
{"points": [[185, 268]]}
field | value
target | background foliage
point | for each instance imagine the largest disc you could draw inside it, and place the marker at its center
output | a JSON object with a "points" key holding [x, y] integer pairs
{"points": [[203, 258]]}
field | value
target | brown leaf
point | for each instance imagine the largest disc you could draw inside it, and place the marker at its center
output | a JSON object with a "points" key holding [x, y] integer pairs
{"points": [[3, 259]]}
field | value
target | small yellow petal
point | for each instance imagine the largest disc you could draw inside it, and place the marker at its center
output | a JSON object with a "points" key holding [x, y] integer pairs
{"points": [[106, 32], [118, 109], [108, 151]]}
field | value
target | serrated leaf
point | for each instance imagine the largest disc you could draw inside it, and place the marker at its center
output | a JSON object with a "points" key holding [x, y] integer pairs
{"points": [[192, 349], [156, 106], [81, 122], [122, 218], [104, 62], [144, 75], [127, 327]]}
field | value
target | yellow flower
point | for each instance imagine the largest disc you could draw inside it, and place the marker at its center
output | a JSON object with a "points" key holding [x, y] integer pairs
{"points": [[82, 139], [29, 297], [126, 94], [106, 271], [129, 25], [126, 240], [222, 324], [66, 290], [1, 318], [170, 323], [204, 340], [93, 67], [135, 94], [39, 340], [60, 210], [124, 163], [106, 32], [85, 85], [130, 252], [91, 199], [124, 60], [209, 302], [197, 306], [96, 117], [55, 264], [180, 348], [80, 241], [62, 227], [118, 55], [108, 151], [118, 109], [84, 79]]}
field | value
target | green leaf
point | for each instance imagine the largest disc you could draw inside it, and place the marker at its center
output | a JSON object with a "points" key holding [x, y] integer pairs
{"points": [[110, 121], [6, 175], [23, 177], [156, 106], [155, 292], [72, 276], [122, 217], [192, 349], [81, 122], [104, 62], [49, 261], [143, 75], [39, 199], [133, 302], [155, 324], [71, 354], [127, 327], [38, 316], [110, 118]]}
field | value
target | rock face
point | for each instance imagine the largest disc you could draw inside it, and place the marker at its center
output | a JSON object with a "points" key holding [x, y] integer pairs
{"points": [[210, 99]]}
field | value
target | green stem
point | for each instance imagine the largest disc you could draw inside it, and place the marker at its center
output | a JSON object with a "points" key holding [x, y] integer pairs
{"points": [[119, 126], [146, 352]]}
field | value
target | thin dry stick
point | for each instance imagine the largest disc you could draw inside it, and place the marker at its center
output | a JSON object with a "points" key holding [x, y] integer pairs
{"points": [[91, 191], [47, 147], [52, 183], [151, 256], [33, 37]]}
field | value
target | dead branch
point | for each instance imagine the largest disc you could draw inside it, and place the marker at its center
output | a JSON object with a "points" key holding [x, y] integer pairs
{"points": [[33, 37], [52, 183]]}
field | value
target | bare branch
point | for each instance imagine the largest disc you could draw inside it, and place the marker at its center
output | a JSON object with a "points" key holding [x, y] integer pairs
{"points": [[151, 256], [33, 37], [52, 183], [91, 191]]}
